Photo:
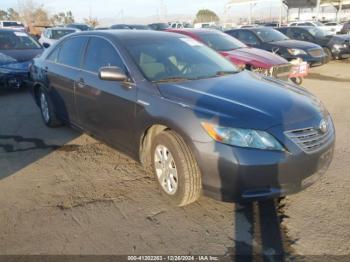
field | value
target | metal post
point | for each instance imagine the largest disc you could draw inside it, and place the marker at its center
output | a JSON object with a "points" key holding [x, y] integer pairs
{"points": [[281, 10], [318, 10], [250, 13], [340, 8]]}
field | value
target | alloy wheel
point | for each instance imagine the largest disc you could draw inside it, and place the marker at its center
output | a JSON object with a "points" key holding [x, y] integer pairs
{"points": [[166, 169]]}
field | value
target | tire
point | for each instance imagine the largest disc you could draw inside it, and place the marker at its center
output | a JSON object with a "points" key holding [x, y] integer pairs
{"points": [[188, 183], [297, 80], [328, 53], [47, 109]]}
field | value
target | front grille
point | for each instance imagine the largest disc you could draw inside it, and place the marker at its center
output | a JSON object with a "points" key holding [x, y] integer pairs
{"points": [[311, 139], [281, 70], [316, 52]]}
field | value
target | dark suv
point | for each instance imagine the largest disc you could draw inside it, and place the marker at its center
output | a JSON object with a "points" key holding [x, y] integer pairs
{"points": [[179, 107], [346, 28], [335, 46], [274, 41]]}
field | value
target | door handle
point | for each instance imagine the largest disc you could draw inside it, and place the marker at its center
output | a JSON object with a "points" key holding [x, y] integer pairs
{"points": [[81, 83]]}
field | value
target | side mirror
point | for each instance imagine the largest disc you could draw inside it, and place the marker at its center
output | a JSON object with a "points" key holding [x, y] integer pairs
{"points": [[46, 45], [112, 73]]}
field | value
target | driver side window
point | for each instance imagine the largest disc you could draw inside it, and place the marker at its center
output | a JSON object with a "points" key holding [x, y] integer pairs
{"points": [[101, 53], [248, 37], [300, 34]]}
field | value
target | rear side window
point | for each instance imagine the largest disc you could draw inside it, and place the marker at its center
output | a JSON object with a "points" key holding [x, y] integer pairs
{"points": [[233, 33], [248, 38], [53, 57], [101, 53], [71, 51]]}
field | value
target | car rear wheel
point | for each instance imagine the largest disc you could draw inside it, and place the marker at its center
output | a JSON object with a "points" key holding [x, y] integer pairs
{"points": [[176, 169], [47, 109]]}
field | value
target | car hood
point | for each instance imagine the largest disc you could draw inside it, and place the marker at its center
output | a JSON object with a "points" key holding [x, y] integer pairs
{"points": [[256, 57], [294, 44], [22, 55], [245, 100], [342, 37], [9, 64]]}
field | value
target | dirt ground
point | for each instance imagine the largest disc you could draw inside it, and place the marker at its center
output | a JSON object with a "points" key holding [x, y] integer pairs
{"points": [[62, 192]]}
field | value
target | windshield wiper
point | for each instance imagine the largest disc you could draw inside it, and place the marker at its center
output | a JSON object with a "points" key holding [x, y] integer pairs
{"points": [[171, 79], [223, 73]]}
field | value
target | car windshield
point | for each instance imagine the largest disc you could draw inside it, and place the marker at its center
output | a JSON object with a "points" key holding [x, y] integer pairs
{"points": [[160, 26], [12, 24], [120, 27], [318, 23], [140, 27], [221, 42], [316, 32], [17, 40], [270, 35], [57, 34], [177, 59], [81, 27]]}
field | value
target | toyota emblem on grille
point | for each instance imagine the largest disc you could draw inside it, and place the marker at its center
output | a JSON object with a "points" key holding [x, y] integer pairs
{"points": [[323, 126]]}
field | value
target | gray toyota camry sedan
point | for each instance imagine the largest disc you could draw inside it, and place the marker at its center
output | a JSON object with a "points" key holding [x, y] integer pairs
{"points": [[175, 105]]}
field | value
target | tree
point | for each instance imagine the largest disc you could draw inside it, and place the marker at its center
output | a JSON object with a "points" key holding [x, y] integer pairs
{"points": [[3, 15], [91, 21], [205, 15], [10, 14], [34, 16], [62, 18]]}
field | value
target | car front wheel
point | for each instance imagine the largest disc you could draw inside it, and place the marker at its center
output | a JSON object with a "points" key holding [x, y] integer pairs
{"points": [[176, 169]]}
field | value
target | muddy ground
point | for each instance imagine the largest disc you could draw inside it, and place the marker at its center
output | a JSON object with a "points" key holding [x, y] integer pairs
{"points": [[62, 192]]}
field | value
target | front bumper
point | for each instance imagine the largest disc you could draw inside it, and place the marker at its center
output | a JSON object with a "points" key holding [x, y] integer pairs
{"points": [[241, 174], [341, 53], [14, 81], [313, 61]]}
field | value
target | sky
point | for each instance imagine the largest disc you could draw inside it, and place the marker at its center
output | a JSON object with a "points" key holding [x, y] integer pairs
{"points": [[103, 9]]}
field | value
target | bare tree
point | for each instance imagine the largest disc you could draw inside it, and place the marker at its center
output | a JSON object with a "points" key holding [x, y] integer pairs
{"points": [[34, 16], [62, 18], [10, 14], [91, 21], [206, 15]]}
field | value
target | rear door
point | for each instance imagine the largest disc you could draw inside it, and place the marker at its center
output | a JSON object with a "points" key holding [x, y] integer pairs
{"points": [[105, 108], [249, 38], [301, 34], [63, 68]]}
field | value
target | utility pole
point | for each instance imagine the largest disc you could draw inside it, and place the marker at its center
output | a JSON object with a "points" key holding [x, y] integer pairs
{"points": [[318, 10], [281, 10]]}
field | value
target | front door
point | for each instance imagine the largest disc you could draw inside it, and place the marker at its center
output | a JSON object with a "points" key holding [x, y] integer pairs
{"points": [[105, 108]]}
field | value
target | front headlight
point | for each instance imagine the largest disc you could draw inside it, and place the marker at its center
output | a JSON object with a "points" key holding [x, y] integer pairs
{"points": [[295, 52], [242, 137], [339, 46]]}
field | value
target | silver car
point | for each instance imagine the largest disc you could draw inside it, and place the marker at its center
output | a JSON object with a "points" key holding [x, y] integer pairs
{"points": [[51, 35]]}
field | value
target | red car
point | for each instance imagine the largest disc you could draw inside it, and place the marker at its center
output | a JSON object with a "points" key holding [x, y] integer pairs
{"points": [[240, 54]]}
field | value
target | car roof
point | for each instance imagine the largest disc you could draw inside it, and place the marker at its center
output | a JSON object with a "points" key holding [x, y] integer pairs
{"points": [[302, 27], [195, 30], [128, 34], [63, 28], [11, 30]]}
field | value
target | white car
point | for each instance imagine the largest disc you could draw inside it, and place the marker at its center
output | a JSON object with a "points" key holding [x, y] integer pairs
{"points": [[334, 27], [328, 29], [51, 35], [12, 25]]}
